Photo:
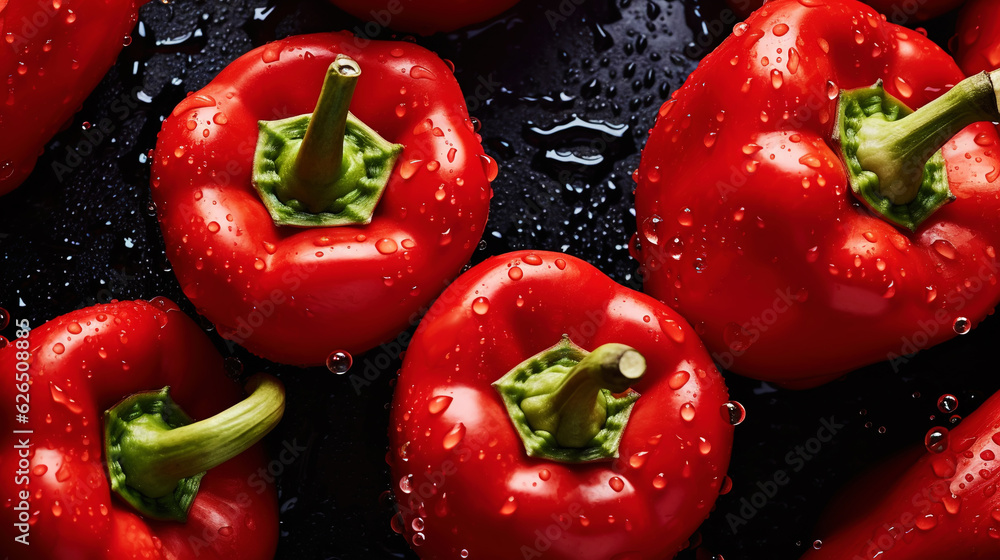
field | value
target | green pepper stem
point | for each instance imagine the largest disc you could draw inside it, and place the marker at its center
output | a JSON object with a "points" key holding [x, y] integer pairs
{"points": [[320, 159], [154, 457], [897, 151], [577, 409]]}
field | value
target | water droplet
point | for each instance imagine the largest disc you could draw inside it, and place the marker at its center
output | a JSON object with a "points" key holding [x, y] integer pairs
{"points": [[779, 29], [480, 305], [544, 474], [463, 553], [678, 379], [659, 481], [420, 73], [490, 167], [704, 446], [777, 78], [213, 227], [339, 361], [417, 524], [936, 440], [962, 325], [418, 539], [57, 509], [386, 246], [509, 506], [39, 470], [649, 228], [945, 249], [811, 160], [927, 522], [617, 484], [832, 91], [60, 397], [637, 460], [687, 412], [515, 273], [817, 544], [734, 413], [225, 531], [454, 436], [709, 140], [947, 403], [4, 318], [438, 404], [406, 484], [904, 88]]}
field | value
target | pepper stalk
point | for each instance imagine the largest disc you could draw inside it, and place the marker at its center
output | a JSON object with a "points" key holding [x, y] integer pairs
{"points": [[156, 455], [893, 155]]}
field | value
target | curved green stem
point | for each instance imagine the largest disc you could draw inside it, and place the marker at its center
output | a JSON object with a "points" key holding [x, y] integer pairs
{"points": [[576, 410], [156, 456], [896, 151], [571, 405]]}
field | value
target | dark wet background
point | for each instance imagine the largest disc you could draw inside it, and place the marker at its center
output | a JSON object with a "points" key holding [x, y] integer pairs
{"points": [[82, 231]]}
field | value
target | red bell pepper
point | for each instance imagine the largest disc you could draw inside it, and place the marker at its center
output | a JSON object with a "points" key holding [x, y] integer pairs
{"points": [[55, 54], [794, 265], [939, 502], [899, 12], [977, 43], [64, 417], [282, 246], [514, 433], [422, 16]]}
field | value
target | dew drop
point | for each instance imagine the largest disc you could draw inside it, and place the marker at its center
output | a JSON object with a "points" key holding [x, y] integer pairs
{"points": [[515, 273], [947, 403], [339, 361], [509, 506], [945, 249], [927, 522], [936, 440], [617, 484], [659, 481], [687, 412], [480, 305], [386, 246], [4, 318], [454, 436], [733, 412], [962, 325], [438, 404], [678, 379], [637, 460]]}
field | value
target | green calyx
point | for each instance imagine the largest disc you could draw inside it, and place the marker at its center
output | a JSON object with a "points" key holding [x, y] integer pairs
{"points": [[326, 168], [562, 401], [156, 455], [893, 155]]}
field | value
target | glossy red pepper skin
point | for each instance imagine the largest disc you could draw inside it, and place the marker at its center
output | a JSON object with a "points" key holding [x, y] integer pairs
{"points": [[295, 295], [899, 12], [424, 16], [748, 226], [53, 57], [978, 40], [461, 475], [923, 504], [83, 363]]}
